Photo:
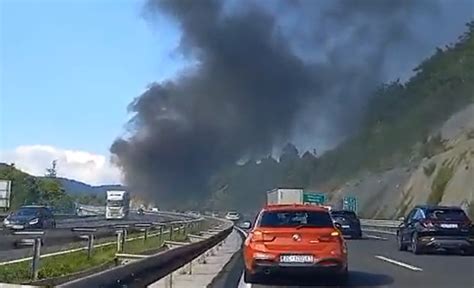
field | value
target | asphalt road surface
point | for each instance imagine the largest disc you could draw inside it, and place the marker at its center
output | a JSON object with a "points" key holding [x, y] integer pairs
{"points": [[375, 262]]}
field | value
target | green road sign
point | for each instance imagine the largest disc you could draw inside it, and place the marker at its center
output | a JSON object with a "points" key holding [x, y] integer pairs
{"points": [[314, 198], [349, 203]]}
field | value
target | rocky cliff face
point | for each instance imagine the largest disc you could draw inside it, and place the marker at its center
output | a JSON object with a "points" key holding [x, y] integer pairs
{"points": [[445, 178]]}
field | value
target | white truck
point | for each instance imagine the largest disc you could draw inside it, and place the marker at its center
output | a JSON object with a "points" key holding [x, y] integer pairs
{"points": [[295, 196], [285, 196], [118, 204]]}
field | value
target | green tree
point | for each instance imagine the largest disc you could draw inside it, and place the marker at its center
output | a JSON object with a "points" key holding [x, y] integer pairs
{"points": [[52, 172]]}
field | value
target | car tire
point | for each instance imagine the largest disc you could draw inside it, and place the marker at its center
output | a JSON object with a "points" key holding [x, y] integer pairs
{"points": [[401, 246], [249, 277], [343, 277], [416, 247]]}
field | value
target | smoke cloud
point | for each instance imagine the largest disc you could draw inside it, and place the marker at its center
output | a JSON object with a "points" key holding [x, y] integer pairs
{"points": [[266, 73]]}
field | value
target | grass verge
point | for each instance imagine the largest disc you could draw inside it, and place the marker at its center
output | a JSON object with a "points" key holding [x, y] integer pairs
{"points": [[66, 264]]}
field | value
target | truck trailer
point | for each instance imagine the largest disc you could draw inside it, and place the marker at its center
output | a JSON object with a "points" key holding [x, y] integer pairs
{"points": [[285, 196], [281, 196]]}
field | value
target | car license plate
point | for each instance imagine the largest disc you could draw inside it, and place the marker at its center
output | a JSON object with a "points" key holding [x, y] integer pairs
{"points": [[296, 258], [18, 227], [346, 226], [450, 226]]}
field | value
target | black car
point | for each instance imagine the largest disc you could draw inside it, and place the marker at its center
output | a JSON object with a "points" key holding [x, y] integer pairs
{"points": [[30, 217], [348, 221], [436, 228]]}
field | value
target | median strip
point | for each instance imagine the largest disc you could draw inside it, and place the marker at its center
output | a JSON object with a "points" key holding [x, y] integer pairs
{"points": [[401, 264], [75, 261]]}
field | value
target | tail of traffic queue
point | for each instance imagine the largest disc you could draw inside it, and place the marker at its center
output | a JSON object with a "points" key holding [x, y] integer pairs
{"points": [[275, 245]]}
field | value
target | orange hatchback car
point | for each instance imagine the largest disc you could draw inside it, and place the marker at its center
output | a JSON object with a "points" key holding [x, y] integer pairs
{"points": [[294, 239]]}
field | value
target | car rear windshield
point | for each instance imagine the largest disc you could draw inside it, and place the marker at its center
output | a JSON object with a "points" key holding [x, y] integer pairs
{"points": [[346, 214], [295, 218], [447, 215]]}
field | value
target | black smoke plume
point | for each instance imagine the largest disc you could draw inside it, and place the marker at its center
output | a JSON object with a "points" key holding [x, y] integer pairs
{"points": [[266, 71]]}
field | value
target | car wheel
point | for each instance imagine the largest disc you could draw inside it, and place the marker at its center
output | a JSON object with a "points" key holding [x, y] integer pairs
{"points": [[416, 247], [467, 252], [249, 277], [343, 277], [401, 246]]}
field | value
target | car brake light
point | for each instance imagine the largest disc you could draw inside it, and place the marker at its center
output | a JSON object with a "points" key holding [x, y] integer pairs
{"points": [[427, 224], [259, 236], [331, 237]]}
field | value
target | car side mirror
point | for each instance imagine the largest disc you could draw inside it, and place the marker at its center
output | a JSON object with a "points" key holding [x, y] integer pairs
{"points": [[402, 219], [338, 226], [245, 225]]}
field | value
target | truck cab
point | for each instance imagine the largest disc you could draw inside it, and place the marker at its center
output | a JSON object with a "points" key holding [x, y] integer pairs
{"points": [[118, 205]]}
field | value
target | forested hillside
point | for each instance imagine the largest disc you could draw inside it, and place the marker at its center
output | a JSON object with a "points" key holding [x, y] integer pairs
{"points": [[397, 130], [27, 189], [60, 193]]}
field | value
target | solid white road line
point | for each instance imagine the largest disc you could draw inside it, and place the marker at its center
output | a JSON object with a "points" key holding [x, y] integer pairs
{"points": [[375, 237], [242, 283], [401, 264]]}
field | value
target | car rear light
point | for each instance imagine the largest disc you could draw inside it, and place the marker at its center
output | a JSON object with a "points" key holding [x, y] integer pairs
{"points": [[259, 236], [427, 224], [335, 235]]}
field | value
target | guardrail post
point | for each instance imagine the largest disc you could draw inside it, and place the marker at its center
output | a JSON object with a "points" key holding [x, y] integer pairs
{"points": [[89, 236], [144, 227], [169, 282], [161, 233], [119, 240], [124, 238], [90, 245], [122, 235], [36, 258], [185, 226], [36, 250], [171, 231]]}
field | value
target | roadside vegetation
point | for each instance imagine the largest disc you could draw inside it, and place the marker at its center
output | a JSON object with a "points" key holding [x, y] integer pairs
{"points": [[45, 190], [66, 264], [441, 180]]}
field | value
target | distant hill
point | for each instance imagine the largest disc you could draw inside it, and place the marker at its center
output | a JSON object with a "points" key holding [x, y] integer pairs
{"points": [[74, 187]]}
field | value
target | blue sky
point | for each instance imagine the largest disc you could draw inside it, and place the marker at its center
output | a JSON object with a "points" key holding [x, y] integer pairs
{"points": [[70, 68]]}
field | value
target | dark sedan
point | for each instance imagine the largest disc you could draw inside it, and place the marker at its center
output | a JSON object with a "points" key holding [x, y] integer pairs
{"points": [[30, 217], [348, 221]]}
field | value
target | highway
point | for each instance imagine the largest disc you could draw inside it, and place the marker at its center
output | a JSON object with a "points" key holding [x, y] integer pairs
{"points": [[62, 238], [375, 262]]}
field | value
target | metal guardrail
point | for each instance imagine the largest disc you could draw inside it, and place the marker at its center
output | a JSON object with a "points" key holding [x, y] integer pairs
{"points": [[388, 226], [148, 270]]}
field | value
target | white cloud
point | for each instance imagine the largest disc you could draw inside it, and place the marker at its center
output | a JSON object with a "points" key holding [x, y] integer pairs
{"points": [[74, 164]]}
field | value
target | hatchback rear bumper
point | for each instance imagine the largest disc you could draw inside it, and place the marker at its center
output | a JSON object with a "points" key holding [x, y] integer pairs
{"points": [[447, 242], [323, 266]]}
